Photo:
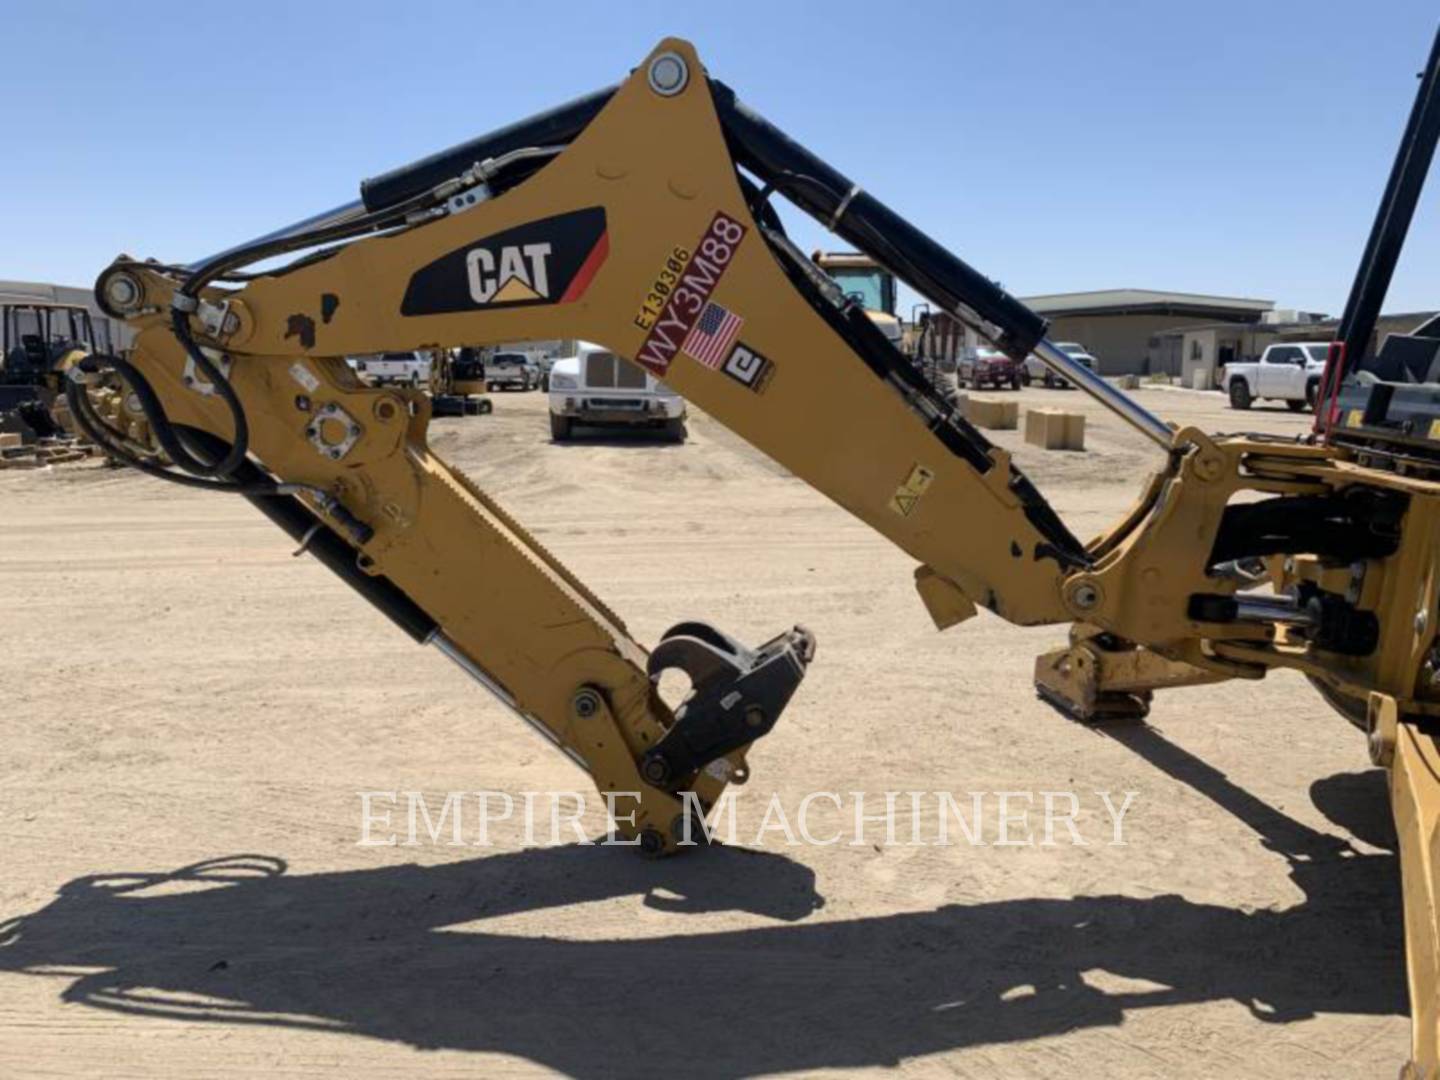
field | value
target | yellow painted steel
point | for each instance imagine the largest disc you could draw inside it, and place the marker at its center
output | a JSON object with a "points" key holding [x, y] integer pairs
{"points": [[1415, 799], [660, 169]]}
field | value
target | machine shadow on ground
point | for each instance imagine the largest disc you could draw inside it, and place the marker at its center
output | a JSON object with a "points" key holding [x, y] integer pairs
{"points": [[368, 952]]}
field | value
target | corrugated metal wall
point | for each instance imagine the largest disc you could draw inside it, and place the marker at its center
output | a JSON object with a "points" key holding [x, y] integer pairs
{"points": [[44, 292]]}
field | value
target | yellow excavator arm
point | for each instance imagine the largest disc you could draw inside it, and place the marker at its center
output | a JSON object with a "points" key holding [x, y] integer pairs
{"points": [[641, 218]]}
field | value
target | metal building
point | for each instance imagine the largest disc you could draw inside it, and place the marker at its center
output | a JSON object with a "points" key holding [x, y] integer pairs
{"points": [[40, 292], [1124, 328], [1205, 349]]}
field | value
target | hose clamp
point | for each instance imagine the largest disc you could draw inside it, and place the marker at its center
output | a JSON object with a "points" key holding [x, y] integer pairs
{"points": [[218, 319], [844, 205]]}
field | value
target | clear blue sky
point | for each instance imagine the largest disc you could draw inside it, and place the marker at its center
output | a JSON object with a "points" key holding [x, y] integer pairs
{"points": [[1228, 147]]}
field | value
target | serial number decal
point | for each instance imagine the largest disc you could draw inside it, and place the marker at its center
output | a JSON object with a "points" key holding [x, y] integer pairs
{"points": [[662, 288], [668, 327]]}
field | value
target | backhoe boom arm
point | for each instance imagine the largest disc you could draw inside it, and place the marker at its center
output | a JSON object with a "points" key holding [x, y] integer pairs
{"points": [[622, 219], [639, 217]]}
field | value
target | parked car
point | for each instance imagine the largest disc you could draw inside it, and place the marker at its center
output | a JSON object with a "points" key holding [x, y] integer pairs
{"points": [[1290, 373], [510, 371], [393, 368], [543, 365], [597, 387], [984, 366], [1034, 369]]}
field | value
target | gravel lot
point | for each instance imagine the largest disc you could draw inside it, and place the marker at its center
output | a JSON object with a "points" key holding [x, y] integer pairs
{"points": [[181, 693]]}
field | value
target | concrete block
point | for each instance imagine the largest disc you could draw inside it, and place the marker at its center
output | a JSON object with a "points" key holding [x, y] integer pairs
{"points": [[1129, 382], [9, 439], [1053, 429], [60, 413], [60, 457], [993, 413]]}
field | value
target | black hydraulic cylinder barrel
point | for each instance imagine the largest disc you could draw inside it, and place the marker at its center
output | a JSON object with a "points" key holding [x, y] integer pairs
{"points": [[554, 128], [323, 542], [1392, 221], [326, 545], [770, 154], [871, 226]]}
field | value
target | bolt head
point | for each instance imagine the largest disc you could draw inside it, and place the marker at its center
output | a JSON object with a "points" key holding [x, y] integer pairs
{"points": [[687, 830], [1382, 753], [122, 291], [655, 770], [668, 74]]}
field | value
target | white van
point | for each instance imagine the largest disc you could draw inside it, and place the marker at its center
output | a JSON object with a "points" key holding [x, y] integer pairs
{"points": [[597, 387]]}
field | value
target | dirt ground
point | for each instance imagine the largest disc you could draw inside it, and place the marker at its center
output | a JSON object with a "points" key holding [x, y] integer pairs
{"points": [[190, 714]]}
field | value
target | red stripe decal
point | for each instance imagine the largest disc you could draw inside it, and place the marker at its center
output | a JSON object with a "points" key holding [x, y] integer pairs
{"points": [[588, 269]]}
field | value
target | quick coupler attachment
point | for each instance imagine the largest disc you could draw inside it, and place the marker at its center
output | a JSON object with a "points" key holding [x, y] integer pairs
{"points": [[736, 695]]}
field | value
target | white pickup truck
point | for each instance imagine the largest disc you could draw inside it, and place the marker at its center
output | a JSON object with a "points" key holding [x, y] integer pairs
{"points": [[1290, 373], [393, 368]]}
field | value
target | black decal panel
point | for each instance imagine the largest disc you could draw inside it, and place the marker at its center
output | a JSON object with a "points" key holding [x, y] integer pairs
{"points": [[550, 261]]}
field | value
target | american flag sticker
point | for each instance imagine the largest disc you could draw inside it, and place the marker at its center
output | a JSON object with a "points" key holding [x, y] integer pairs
{"points": [[710, 339]]}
